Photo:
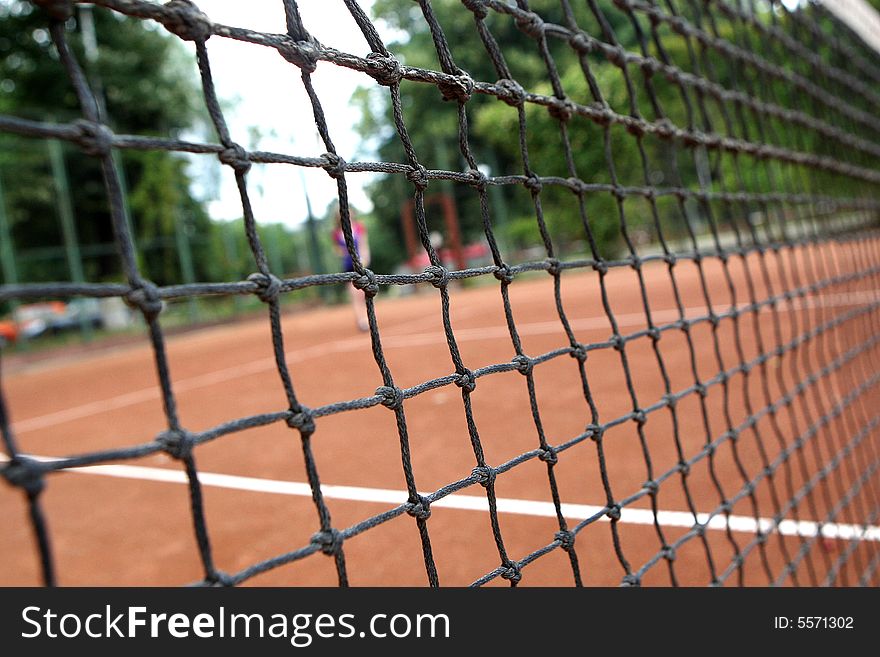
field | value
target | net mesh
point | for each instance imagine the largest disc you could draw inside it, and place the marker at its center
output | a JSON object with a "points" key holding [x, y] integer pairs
{"points": [[776, 196]]}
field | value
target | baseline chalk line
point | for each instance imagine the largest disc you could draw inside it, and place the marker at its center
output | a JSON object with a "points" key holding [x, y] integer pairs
{"points": [[682, 519]]}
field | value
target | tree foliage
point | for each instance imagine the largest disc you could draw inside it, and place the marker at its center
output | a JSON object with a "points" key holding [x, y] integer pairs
{"points": [[149, 89], [601, 156]]}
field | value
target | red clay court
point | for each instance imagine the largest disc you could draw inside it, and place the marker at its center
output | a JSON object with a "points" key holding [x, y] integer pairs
{"points": [[791, 441]]}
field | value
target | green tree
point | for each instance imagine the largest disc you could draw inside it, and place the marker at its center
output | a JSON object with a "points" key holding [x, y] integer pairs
{"points": [[433, 128], [149, 86], [494, 126]]}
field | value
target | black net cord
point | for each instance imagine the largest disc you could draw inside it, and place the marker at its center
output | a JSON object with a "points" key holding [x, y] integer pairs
{"points": [[806, 374]]}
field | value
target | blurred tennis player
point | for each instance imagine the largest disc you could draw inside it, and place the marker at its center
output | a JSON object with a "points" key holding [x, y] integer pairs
{"points": [[362, 248]]}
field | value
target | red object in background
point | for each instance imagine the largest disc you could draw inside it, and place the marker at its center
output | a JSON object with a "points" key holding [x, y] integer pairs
{"points": [[8, 331], [450, 222], [34, 319]]}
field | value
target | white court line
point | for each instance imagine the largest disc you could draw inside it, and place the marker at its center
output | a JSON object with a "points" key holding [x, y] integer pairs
{"points": [[683, 519], [396, 341]]}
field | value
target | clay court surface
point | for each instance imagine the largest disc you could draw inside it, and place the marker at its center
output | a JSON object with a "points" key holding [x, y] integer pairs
{"points": [[136, 529]]}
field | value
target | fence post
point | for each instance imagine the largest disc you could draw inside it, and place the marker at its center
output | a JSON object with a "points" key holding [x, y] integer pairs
{"points": [[184, 257], [316, 258], [68, 224], [7, 253]]}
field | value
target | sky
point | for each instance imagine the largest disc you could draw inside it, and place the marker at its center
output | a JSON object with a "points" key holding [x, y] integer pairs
{"points": [[267, 108]]}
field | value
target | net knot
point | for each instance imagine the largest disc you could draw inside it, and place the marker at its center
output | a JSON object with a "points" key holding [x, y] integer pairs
{"points": [[183, 18], [596, 432], [639, 416], [510, 92], [330, 541], [650, 66], [418, 176], [613, 512], [578, 352], [651, 486], [635, 127], [524, 364], [664, 128], [485, 475], [511, 572], [268, 286], [684, 468], [678, 25], [94, 139], [533, 184], [692, 138], [552, 266], [367, 283], [302, 419], [566, 539], [602, 114], [299, 53], [504, 273], [236, 157], [60, 10], [616, 341], [219, 578], [655, 334], [421, 509], [392, 397], [335, 166], [26, 474], [459, 87], [478, 7], [600, 266], [631, 580], [562, 110], [466, 380], [582, 42], [549, 456], [670, 258], [616, 56], [478, 179], [385, 69], [668, 553], [177, 443], [670, 400], [439, 275], [145, 298], [576, 185], [532, 24]]}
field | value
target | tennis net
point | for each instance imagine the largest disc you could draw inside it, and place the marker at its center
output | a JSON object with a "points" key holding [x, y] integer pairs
{"points": [[739, 142]]}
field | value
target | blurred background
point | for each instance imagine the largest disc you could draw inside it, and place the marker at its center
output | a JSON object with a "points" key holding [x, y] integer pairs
{"points": [[184, 210]]}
